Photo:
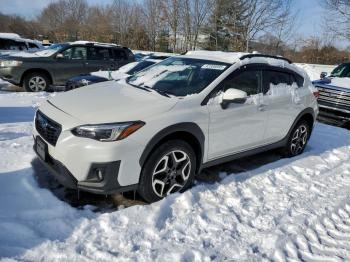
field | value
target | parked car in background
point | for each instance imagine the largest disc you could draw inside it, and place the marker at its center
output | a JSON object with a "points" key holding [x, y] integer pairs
{"points": [[57, 63], [153, 131], [102, 76], [334, 99], [142, 55], [12, 43]]}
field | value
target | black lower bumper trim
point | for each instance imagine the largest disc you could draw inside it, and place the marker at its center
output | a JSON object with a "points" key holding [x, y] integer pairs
{"points": [[109, 184]]}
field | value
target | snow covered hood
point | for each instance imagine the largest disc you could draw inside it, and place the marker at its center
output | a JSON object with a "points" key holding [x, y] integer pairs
{"points": [[111, 102], [343, 82]]}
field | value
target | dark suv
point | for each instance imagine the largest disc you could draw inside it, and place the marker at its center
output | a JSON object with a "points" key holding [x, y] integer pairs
{"points": [[54, 65]]}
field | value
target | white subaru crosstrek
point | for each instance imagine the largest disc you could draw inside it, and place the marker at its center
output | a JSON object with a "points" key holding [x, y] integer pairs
{"points": [[153, 131]]}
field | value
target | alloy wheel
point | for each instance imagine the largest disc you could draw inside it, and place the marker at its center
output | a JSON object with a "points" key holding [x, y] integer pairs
{"points": [[299, 140], [171, 173], [37, 83]]}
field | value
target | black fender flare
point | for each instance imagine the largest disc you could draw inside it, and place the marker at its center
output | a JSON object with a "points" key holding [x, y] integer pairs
{"points": [[188, 127]]}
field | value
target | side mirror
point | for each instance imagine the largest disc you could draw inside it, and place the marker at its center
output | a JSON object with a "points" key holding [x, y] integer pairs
{"points": [[323, 75], [232, 95], [59, 56]]}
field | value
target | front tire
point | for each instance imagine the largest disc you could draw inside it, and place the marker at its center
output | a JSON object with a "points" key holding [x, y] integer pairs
{"points": [[36, 82], [297, 140], [169, 169]]}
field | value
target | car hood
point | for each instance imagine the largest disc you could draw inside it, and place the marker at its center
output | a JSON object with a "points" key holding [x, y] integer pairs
{"points": [[343, 82], [110, 102]]}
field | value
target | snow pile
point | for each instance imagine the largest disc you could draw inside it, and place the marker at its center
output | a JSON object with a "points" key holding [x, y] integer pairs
{"points": [[267, 208], [3, 84], [314, 70]]}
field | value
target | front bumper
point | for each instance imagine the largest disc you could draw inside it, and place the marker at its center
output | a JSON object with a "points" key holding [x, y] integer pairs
{"points": [[108, 185], [73, 159], [333, 114], [11, 74]]}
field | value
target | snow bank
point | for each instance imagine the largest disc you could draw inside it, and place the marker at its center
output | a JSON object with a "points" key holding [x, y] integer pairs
{"points": [[314, 70], [263, 208]]}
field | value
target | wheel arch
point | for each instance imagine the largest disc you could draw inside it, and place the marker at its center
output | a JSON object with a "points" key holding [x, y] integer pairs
{"points": [[32, 70], [188, 132], [308, 115]]}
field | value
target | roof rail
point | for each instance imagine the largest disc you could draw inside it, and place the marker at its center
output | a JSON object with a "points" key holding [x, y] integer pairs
{"points": [[267, 56]]}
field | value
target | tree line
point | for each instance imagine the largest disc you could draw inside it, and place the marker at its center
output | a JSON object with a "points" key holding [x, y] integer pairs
{"points": [[267, 26]]}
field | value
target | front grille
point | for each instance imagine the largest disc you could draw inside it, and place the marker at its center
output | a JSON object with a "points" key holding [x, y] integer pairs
{"points": [[334, 96], [47, 128]]}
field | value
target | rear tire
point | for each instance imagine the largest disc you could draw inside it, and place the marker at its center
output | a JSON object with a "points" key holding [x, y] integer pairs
{"points": [[36, 82], [297, 140], [170, 168]]}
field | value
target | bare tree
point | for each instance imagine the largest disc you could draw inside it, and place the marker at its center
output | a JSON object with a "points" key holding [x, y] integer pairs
{"points": [[171, 12], [284, 29], [337, 17], [201, 9]]}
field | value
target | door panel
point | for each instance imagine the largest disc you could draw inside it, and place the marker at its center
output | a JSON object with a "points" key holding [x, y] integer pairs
{"points": [[282, 97], [100, 58], [240, 126], [72, 64]]}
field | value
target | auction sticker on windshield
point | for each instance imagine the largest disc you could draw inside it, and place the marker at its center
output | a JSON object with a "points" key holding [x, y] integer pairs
{"points": [[214, 67]]}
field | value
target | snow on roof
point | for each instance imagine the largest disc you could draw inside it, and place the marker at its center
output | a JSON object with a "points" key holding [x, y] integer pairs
{"points": [[226, 57], [81, 42], [9, 35]]}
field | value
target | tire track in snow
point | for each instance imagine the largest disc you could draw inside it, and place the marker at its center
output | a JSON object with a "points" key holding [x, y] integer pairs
{"points": [[327, 238]]}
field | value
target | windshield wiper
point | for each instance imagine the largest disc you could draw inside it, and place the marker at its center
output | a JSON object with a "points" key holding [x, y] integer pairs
{"points": [[139, 87], [161, 92]]}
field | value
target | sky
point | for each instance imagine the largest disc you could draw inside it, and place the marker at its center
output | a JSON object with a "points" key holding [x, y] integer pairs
{"points": [[310, 12]]}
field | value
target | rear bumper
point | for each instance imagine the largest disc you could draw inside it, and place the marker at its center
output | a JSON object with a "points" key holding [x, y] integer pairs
{"points": [[108, 185]]}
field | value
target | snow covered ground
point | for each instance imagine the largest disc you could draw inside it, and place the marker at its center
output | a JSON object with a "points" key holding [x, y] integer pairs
{"points": [[259, 208]]}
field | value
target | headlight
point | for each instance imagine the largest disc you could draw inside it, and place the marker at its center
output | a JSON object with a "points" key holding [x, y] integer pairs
{"points": [[10, 63], [108, 132]]}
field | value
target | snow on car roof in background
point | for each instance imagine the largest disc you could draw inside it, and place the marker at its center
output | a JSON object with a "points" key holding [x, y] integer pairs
{"points": [[226, 57], [9, 35], [81, 42]]}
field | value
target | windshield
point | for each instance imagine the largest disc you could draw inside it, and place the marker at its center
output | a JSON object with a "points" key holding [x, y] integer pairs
{"points": [[179, 76], [342, 70], [140, 66]]}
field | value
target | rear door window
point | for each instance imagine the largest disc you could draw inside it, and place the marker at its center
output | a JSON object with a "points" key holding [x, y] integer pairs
{"points": [[276, 78], [120, 54], [99, 53]]}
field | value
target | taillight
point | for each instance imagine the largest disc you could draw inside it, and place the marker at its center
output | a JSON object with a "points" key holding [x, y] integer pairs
{"points": [[316, 94]]}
